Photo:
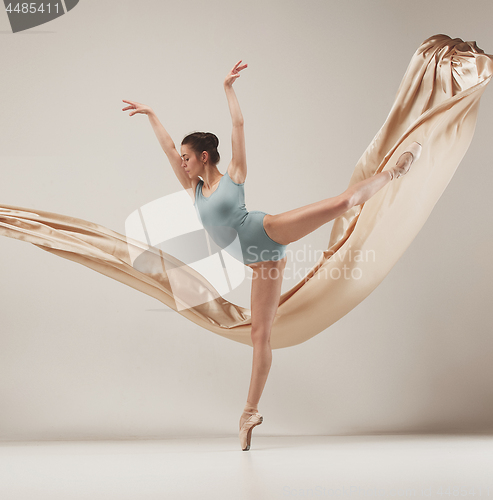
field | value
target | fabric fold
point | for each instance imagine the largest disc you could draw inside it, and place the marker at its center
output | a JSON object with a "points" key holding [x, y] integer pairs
{"points": [[436, 104]]}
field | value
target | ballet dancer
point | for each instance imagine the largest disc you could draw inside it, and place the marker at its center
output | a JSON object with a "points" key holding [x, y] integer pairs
{"points": [[219, 201]]}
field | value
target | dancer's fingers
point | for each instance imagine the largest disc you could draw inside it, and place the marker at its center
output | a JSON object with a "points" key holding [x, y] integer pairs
{"points": [[134, 106]]}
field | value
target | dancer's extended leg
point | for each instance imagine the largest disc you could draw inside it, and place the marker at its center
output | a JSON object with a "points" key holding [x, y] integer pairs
{"points": [[292, 225]]}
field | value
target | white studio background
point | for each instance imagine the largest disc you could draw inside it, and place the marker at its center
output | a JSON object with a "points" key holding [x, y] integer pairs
{"points": [[83, 356]]}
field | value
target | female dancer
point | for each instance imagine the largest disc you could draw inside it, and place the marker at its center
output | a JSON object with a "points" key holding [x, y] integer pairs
{"points": [[263, 237]]}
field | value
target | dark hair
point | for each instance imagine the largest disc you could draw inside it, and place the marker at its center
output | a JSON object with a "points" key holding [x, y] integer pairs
{"points": [[203, 141]]}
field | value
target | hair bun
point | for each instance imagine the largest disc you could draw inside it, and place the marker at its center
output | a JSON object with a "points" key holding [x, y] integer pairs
{"points": [[213, 138], [204, 141]]}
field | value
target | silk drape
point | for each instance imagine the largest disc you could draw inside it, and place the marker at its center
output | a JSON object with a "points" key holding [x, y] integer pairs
{"points": [[436, 104]]}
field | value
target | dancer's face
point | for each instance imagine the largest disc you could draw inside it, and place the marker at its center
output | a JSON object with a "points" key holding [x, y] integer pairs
{"points": [[190, 163]]}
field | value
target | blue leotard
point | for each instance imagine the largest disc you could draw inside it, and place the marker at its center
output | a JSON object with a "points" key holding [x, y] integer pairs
{"points": [[224, 215]]}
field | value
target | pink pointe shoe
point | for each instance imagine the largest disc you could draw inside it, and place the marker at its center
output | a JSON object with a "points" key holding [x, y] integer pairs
{"points": [[415, 149], [245, 434]]}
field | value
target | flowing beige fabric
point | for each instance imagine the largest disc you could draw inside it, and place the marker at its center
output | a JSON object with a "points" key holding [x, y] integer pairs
{"points": [[436, 104]]}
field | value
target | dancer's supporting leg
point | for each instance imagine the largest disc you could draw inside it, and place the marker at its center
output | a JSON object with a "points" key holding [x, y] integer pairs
{"points": [[266, 290]]}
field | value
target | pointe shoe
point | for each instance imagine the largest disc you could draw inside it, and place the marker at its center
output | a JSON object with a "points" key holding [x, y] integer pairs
{"points": [[415, 149], [245, 434]]}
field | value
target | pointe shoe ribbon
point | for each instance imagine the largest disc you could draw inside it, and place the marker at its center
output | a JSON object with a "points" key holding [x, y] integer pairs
{"points": [[415, 149], [245, 434]]}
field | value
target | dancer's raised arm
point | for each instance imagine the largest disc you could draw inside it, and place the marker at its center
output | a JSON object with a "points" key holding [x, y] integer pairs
{"points": [[237, 169], [164, 139]]}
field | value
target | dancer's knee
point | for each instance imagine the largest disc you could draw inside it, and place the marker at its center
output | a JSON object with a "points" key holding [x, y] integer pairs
{"points": [[260, 336]]}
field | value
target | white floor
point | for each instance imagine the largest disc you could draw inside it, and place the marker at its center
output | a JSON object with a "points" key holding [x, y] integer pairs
{"points": [[427, 466]]}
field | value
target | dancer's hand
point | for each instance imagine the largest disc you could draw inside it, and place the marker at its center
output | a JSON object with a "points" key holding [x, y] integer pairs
{"points": [[137, 107], [234, 74]]}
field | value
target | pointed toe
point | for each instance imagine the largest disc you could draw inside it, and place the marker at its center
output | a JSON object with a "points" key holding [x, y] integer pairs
{"points": [[245, 434]]}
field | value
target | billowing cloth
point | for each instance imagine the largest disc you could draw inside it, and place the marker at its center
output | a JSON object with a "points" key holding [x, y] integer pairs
{"points": [[436, 104]]}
